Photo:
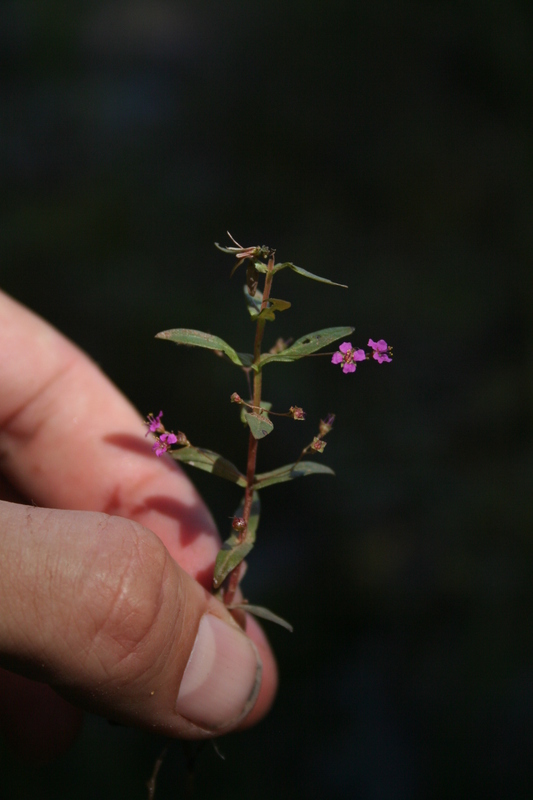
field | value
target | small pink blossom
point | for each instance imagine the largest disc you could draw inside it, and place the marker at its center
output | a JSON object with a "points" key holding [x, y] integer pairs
{"points": [[381, 350], [154, 423], [164, 443], [347, 355]]}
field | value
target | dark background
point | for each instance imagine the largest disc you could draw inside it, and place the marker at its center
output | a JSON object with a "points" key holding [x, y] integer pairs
{"points": [[383, 144]]}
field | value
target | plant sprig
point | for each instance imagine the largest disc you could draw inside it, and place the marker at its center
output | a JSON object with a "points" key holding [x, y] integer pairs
{"points": [[255, 412]]}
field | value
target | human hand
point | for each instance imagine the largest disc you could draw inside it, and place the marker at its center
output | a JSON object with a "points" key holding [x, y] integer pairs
{"points": [[94, 604]]}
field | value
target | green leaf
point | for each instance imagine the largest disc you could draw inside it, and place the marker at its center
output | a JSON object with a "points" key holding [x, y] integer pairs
{"points": [[229, 557], [232, 551], [207, 340], [305, 274], [264, 613], [260, 266], [259, 423], [289, 472], [273, 305], [307, 345], [209, 462]]}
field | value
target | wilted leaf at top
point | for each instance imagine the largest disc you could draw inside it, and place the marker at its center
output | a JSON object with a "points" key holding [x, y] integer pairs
{"points": [[306, 274], [206, 340], [307, 345], [252, 278]]}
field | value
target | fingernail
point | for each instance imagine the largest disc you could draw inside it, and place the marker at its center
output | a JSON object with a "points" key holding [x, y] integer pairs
{"points": [[222, 677]]}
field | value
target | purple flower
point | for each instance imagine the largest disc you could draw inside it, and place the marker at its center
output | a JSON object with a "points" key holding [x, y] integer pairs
{"points": [[154, 423], [347, 355], [164, 442], [381, 350]]}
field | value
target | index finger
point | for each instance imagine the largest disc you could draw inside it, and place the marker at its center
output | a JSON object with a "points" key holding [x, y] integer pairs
{"points": [[69, 439]]}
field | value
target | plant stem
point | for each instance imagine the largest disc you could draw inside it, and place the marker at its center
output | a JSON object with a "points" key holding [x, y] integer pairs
{"points": [[252, 441]]}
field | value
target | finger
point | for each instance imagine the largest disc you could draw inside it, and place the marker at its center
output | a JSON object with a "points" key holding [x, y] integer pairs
{"points": [[96, 607], [69, 439]]}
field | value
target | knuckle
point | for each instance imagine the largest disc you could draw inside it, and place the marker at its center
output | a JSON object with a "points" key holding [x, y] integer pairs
{"points": [[130, 634]]}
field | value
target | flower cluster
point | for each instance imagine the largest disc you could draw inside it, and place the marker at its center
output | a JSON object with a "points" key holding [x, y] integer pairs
{"points": [[163, 440], [348, 355]]}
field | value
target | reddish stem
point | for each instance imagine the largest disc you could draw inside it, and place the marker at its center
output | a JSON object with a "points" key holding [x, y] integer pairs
{"points": [[233, 578]]}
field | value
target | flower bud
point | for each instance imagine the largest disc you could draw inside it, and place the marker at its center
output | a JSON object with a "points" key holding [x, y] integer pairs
{"points": [[236, 398], [326, 425], [297, 412], [238, 524], [318, 445]]}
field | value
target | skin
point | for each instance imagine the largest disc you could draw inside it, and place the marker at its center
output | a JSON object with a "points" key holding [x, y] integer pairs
{"points": [[92, 527]]}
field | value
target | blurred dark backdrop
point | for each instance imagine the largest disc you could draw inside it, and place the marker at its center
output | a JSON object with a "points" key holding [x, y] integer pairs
{"points": [[385, 145]]}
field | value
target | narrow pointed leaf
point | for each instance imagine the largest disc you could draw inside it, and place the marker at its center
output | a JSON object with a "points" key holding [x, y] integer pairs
{"points": [[231, 250], [307, 345], [306, 274], [209, 462], [232, 551], [207, 340], [264, 613], [291, 471], [230, 556], [259, 423]]}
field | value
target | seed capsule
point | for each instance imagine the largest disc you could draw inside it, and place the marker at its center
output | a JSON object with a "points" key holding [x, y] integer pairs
{"points": [[238, 524]]}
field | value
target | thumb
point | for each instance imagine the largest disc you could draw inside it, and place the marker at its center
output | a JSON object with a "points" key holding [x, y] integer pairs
{"points": [[95, 606]]}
